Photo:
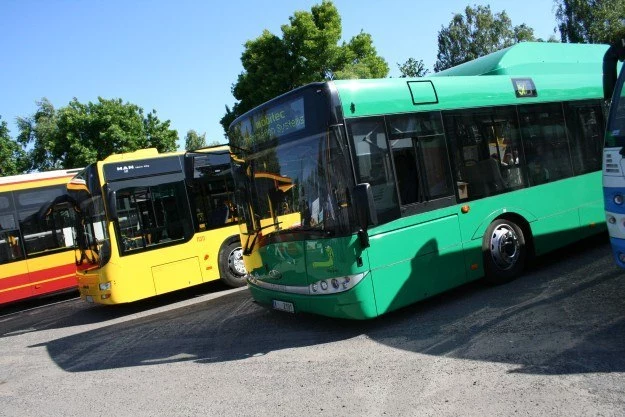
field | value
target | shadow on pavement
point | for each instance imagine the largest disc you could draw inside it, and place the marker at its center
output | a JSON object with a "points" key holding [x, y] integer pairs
{"points": [[566, 316]]}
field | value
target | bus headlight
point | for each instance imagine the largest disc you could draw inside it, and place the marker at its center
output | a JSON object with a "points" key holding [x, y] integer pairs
{"points": [[105, 286], [611, 219], [618, 199]]}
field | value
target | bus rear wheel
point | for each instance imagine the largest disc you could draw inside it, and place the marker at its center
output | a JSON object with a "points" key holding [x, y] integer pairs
{"points": [[504, 251], [231, 267]]}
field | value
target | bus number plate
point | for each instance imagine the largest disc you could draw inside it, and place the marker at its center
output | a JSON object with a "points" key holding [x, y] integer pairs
{"points": [[283, 306], [89, 299]]}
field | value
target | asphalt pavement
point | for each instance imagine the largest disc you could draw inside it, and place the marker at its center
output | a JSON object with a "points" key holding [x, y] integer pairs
{"points": [[551, 343]]}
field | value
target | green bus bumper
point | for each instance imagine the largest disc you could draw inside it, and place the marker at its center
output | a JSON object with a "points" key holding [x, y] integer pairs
{"points": [[357, 303]]}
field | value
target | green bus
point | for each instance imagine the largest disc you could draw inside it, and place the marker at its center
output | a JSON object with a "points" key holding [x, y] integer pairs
{"points": [[400, 189]]}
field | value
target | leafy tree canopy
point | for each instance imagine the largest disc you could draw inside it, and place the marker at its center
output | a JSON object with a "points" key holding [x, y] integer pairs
{"points": [[194, 141], [12, 156], [79, 134], [308, 51], [591, 21], [477, 33], [412, 68]]}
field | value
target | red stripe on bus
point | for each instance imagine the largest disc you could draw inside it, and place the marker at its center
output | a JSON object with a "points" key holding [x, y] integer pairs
{"points": [[14, 281], [37, 289], [37, 276], [50, 273]]}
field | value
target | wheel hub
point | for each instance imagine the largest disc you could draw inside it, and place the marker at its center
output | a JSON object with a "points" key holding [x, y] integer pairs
{"points": [[235, 262], [505, 247]]}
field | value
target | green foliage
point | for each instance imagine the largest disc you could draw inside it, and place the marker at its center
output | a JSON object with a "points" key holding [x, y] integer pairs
{"points": [[412, 68], [477, 33], [12, 156], [591, 21], [194, 141], [308, 51], [80, 134]]}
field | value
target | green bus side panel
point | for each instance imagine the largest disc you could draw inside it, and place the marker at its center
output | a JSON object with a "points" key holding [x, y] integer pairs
{"points": [[555, 231], [416, 262]]}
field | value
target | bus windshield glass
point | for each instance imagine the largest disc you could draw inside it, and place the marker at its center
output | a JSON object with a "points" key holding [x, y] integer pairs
{"points": [[151, 214], [308, 177], [91, 235]]}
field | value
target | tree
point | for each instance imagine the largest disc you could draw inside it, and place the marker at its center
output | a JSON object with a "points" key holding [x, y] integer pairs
{"points": [[590, 21], [308, 51], [194, 141], [12, 156], [159, 135], [477, 33], [79, 134], [412, 68], [40, 131]]}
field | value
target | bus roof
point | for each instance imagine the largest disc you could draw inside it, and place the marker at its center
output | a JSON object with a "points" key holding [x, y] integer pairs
{"points": [[38, 176], [153, 152], [400, 95], [557, 71], [492, 80], [129, 156], [534, 58]]}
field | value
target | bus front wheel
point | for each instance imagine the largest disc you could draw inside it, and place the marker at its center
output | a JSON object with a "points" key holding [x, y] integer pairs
{"points": [[504, 251], [231, 267]]}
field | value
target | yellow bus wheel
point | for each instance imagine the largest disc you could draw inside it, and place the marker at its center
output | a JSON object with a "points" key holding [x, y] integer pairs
{"points": [[231, 268]]}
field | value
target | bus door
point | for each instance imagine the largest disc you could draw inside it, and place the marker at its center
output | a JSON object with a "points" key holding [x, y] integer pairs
{"points": [[422, 253]]}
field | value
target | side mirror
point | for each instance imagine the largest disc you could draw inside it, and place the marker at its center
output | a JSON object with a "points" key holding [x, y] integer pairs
{"points": [[111, 203], [365, 206]]}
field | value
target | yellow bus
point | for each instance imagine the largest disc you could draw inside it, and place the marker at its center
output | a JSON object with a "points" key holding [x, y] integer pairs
{"points": [[153, 223], [36, 236]]}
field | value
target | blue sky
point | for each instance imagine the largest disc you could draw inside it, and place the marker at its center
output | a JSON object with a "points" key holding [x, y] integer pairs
{"points": [[182, 57]]}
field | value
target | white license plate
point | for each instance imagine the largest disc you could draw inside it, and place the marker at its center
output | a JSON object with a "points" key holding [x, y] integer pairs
{"points": [[283, 306], [89, 298]]}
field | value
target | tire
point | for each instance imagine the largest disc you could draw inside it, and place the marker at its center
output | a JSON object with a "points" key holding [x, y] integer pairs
{"points": [[504, 251], [231, 268]]}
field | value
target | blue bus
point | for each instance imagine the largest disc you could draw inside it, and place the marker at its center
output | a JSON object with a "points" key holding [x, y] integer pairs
{"points": [[614, 150]]}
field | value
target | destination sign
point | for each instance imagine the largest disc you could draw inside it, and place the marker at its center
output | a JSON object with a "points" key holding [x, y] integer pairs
{"points": [[270, 123]]}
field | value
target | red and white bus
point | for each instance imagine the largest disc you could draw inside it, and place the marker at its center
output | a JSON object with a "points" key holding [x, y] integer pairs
{"points": [[36, 236]]}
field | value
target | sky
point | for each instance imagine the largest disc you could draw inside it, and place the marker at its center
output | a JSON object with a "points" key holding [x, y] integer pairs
{"points": [[182, 57]]}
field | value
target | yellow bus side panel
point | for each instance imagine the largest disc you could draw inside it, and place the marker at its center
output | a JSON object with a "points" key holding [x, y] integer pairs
{"points": [[176, 275]]}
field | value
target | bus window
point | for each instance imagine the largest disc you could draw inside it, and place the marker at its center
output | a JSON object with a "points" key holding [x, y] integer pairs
{"points": [[545, 142], [585, 127], [152, 216], [373, 165], [43, 233], [420, 156], [486, 151], [10, 244]]}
